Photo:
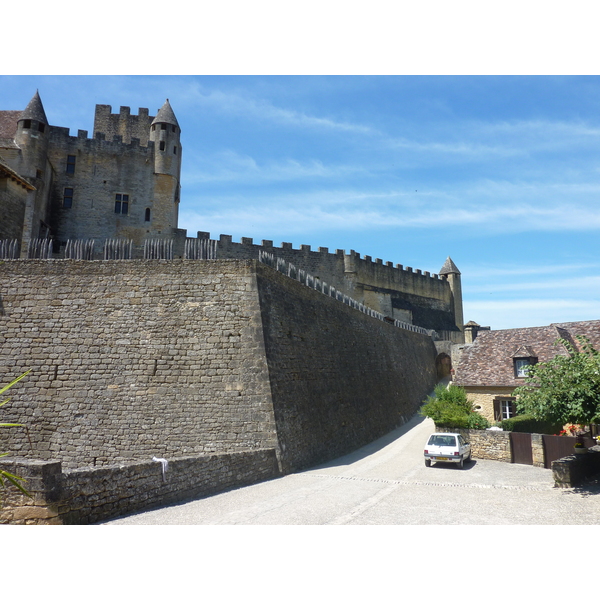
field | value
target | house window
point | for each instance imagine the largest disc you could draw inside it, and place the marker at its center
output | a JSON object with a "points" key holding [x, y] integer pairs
{"points": [[122, 204], [68, 198], [147, 215], [71, 163], [522, 366], [504, 408]]}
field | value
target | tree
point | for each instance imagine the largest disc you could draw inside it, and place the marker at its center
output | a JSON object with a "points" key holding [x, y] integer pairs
{"points": [[565, 389], [15, 480], [450, 407]]}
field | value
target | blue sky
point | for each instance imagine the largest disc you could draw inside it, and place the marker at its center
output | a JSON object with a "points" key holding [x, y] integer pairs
{"points": [[502, 173]]}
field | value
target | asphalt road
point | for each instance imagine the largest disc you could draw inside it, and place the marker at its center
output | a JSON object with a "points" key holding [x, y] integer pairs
{"points": [[387, 483]]}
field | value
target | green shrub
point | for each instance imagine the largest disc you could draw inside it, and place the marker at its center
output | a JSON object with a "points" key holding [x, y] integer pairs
{"points": [[527, 424], [449, 407]]}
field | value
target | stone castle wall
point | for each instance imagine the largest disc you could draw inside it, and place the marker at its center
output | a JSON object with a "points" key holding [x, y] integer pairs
{"points": [[399, 292], [103, 169], [339, 378], [133, 359]]}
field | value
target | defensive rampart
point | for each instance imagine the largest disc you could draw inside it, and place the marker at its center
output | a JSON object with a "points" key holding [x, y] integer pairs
{"points": [[175, 359]]}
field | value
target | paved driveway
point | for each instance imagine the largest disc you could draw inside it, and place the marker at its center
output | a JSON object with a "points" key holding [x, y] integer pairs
{"points": [[387, 483]]}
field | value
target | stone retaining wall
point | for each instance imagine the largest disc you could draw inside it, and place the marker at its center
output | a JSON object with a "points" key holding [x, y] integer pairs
{"points": [[92, 494], [491, 445]]}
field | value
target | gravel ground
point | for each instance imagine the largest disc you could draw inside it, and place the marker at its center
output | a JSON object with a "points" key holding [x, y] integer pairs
{"points": [[387, 483]]}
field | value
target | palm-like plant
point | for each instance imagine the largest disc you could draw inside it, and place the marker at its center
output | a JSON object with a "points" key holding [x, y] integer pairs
{"points": [[5, 476]]}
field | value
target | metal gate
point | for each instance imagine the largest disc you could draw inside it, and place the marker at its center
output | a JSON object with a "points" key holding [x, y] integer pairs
{"points": [[557, 446], [520, 448]]}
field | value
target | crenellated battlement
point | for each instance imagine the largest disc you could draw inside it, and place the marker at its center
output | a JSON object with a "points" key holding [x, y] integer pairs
{"points": [[377, 264], [399, 292], [61, 136]]}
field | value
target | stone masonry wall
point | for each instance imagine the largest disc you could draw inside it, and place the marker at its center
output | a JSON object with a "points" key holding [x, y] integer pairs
{"points": [[92, 494], [134, 359], [399, 292], [339, 378], [491, 445], [131, 359]]}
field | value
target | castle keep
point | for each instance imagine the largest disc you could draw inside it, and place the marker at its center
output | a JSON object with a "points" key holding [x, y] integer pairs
{"points": [[234, 362], [122, 183]]}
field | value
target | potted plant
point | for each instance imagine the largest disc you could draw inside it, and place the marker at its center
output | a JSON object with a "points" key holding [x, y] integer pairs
{"points": [[579, 446]]}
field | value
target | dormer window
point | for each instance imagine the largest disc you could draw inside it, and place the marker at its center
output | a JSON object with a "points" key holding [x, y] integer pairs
{"points": [[522, 366], [523, 358]]}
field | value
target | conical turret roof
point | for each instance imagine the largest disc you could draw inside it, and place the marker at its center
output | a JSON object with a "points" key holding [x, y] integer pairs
{"points": [[449, 267], [166, 115], [35, 110]]}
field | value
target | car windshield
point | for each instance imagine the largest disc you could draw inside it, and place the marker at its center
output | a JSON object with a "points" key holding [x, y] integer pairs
{"points": [[442, 440]]}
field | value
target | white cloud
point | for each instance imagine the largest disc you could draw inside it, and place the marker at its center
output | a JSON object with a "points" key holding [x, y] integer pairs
{"points": [[230, 166], [235, 104]]}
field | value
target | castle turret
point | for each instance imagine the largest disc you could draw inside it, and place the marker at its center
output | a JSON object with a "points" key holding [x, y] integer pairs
{"points": [[165, 133], [32, 138], [450, 272]]}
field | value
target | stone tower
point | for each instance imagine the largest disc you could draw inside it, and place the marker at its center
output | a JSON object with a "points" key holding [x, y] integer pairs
{"points": [[450, 272], [32, 138], [165, 133]]}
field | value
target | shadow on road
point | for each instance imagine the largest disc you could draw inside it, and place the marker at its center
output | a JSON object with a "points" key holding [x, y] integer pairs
{"points": [[372, 447], [453, 466], [586, 489]]}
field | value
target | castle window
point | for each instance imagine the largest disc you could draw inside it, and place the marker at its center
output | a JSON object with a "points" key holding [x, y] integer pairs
{"points": [[41, 127], [162, 145], [68, 198], [27, 124], [174, 149], [71, 164], [122, 204], [163, 126], [174, 129], [147, 216]]}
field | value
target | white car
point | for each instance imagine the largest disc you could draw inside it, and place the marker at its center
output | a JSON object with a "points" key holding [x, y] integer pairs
{"points": [[447, 447]]}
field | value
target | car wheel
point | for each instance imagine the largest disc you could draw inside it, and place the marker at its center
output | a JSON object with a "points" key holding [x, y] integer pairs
{"points": [[468, 459], [461, 464], [427, 462]]}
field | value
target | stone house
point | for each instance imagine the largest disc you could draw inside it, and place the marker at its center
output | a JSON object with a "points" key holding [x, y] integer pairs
{"points": [[495, 364]]}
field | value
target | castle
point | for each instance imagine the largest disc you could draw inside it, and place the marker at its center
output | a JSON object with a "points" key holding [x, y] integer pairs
{"points": [[235, 362], [117, 196]]}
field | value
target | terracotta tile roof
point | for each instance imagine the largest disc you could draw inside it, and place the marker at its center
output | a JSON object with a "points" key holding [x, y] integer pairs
{"points": [[8, 123], [489, 360]]}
